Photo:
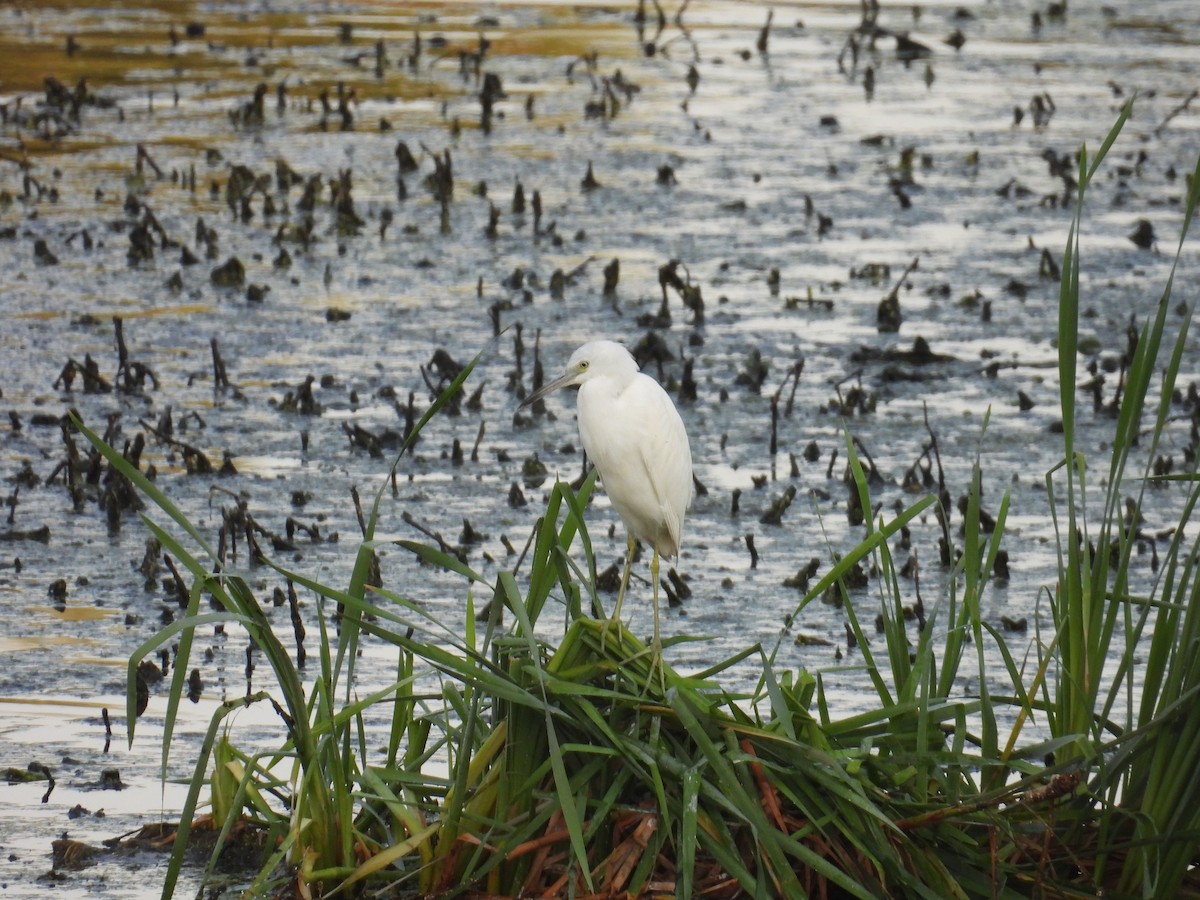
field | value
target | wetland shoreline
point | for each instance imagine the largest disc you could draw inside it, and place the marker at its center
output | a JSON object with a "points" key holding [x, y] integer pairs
{"points": [[253, 245]]}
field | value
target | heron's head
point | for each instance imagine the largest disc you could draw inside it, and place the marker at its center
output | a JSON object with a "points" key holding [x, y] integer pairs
{"points": [[595, 359]]}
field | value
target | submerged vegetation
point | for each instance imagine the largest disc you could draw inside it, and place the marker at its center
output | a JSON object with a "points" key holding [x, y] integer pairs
{"points": [[528, 756]]}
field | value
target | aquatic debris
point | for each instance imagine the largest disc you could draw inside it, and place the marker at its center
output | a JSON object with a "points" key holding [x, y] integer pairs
{"points": [[301, 400], [749, 539], [687, 382], [195, 461], [349, 223], [534, 472], [908, 50], [803, 575], [687, 289], [459, 553], [470, 535], [652, 348], [589, 182], [612, 275], [230, 274], [444, 366], [765, 34], [26, 477], [131, 376], [405, 161], [40, 535], [73, 855], [754, 371], [919, 354], [516, 497], [774, 514], [241, 187], [1019, 624], [887, 315], [1143, 234], [491, 91], [43, 254], [58, 593]]}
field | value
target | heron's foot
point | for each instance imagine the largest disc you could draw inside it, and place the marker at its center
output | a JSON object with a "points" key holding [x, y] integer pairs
{"points": [[658, 671], [614, 622]]}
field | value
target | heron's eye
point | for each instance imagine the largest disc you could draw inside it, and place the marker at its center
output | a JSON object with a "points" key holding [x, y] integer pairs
{"points": [[583, 365]]}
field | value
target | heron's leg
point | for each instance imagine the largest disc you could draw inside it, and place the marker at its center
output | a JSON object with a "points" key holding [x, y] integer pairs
{"points": [[656, 660], [631, 545], [657, 645]]}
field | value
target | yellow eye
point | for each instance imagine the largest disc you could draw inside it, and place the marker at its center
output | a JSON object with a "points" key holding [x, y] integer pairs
{"points": [[583, 365]]}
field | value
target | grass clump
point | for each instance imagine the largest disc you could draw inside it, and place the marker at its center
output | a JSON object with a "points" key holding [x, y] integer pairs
{"points": [[517, 764]]}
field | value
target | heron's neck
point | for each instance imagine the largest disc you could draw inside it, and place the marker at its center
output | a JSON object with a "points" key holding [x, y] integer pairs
{"points": [[609, 386]]}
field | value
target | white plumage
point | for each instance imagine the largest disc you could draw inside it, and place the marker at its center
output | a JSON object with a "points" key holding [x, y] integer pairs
{"points": [[635, 437]]}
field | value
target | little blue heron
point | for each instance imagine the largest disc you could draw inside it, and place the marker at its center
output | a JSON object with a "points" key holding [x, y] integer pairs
{"points": [[634, 436]]}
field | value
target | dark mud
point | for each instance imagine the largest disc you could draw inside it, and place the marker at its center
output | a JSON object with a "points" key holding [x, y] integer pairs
{"points": [[804, 229]]}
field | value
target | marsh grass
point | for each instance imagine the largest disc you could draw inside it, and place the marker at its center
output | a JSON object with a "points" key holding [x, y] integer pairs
{"points": [[517, 764]]}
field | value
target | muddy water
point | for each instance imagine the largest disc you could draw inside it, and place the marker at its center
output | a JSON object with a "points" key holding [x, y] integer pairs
{"points": [[779, 160]]}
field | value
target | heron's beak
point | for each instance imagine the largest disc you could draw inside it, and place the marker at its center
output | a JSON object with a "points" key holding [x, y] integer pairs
{"points": [[561, 382]]}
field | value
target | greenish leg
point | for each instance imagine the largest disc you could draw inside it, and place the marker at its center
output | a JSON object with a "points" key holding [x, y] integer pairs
{"points": [[656, 659], [631, 545], [656, 647]]}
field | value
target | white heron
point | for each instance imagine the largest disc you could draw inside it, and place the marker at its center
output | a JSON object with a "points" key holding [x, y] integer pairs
{"points": [[634, 436]]}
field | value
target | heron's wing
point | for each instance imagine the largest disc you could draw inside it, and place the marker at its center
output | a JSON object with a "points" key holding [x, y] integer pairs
{"points": [[638, 444], [667, 458]]}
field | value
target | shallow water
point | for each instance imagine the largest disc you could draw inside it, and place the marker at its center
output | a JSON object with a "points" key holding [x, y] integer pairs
{"points": [[750, 156]]}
